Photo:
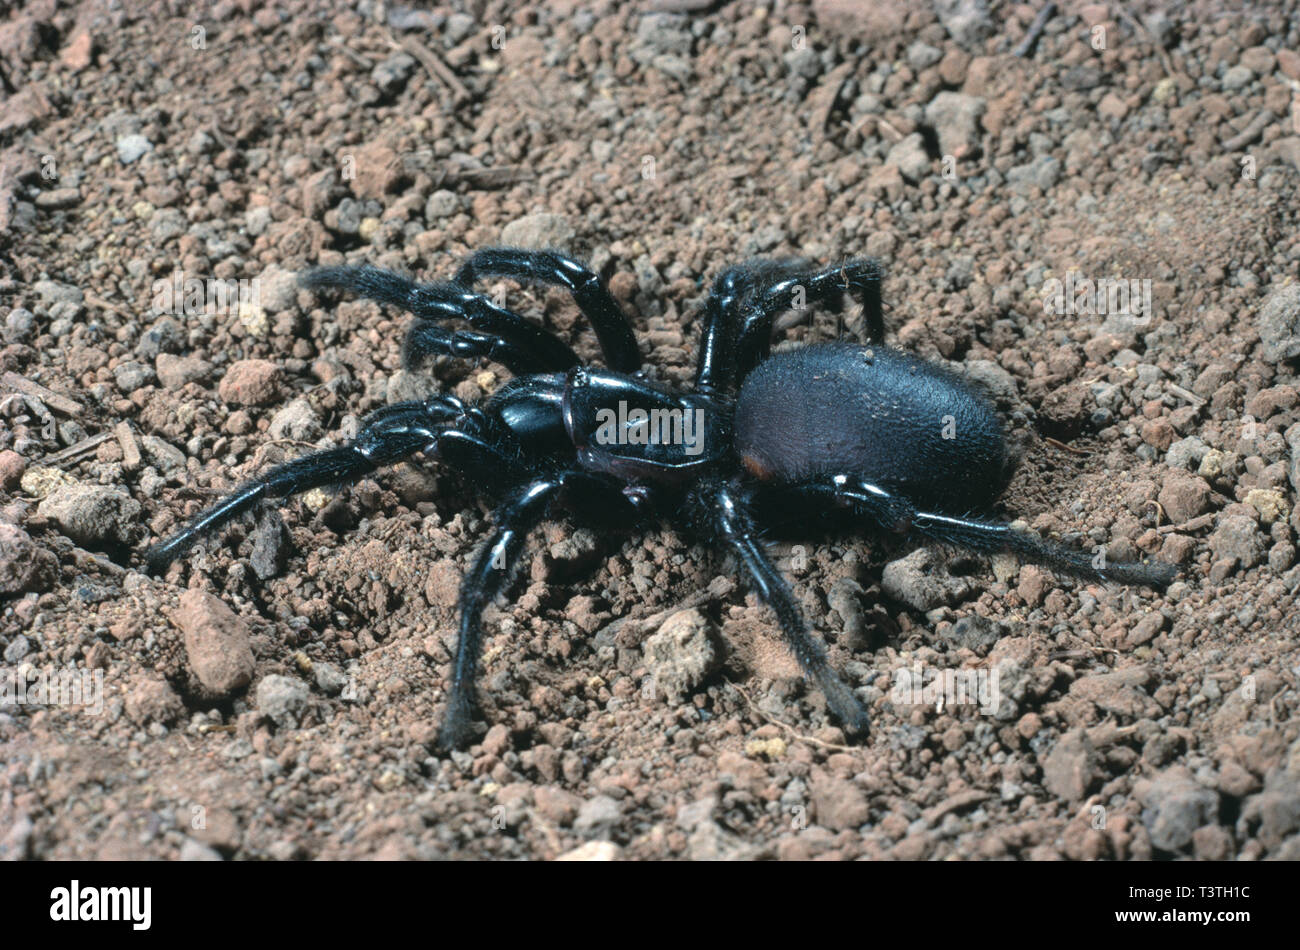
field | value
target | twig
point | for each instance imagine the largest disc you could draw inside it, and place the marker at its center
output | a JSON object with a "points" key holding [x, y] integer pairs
{"points": [[787, 727], [130, 448], [76, 451], [1036, 28], [1251, 132], [69, 407], [436, 67], [1057, 443]]}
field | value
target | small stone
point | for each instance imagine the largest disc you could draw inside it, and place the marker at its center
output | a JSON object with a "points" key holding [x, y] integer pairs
{"points": [[593, 851], [277, 289], [910, 157], [1072, 768], [12, 467], [250, 383], [216, 642], [330, 680], [132, 147], [175, 372], [24, 564], [282, 699], [1278, 324], [680, 655], [955, 117], [597, 816], [130, 376], [92, 515], [1237, 539], [192, 850], [153, 700], [921, 581], [1270, 503], [1183, 496], [540, 231], [296, 421], [1174, 806], [838, 804]]}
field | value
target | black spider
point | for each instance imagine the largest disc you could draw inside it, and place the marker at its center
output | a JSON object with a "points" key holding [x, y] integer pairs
{"points": [[868, 436]]}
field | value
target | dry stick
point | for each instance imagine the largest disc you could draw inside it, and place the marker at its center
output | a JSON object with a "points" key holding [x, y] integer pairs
{"points": [[76, 451], [786, 726], [130, 448], [1250, 132], [436, 67], [21, 384], [1035, 30]]}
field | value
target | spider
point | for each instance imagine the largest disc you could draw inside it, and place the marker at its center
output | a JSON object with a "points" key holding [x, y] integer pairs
{"points": [[864, 437]]}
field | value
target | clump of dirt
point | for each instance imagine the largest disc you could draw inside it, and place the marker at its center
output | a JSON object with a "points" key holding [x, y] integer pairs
{"points": [[275, 694]]}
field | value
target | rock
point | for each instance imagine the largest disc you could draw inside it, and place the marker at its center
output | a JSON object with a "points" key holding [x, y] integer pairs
{"points": [[297, 421], [1278, 324], [277, 289], [910, 157], [539, 231], [1186, 453], [282, 699], [955, 117], [92, 515], [1269, 502], [18, 648], [865, 20], [270, 546], [52, 292], [921, 581], [153, 700], [1237, 539], [1043, 172], [12, 467], [440, 206], [161, 454], [24, 564], [77, 54], [1174, 806], [680, 655], [921, 55], [130, 148], [330, 680], [975, 633], [1271, 815], [556, 805], [250, 383], [967, 21], [1183, 496], [838, 804], [1073, 768], [597, 816], [216, 642], [175, 372], [130, 376]]}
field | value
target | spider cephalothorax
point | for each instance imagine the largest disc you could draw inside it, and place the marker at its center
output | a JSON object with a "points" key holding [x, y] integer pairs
{"points": [[876, 437]]}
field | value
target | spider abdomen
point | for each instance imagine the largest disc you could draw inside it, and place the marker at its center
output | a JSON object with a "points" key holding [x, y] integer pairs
{"points": [[875, 413]]}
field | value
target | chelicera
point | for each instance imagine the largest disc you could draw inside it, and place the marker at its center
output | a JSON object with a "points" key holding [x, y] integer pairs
{"points": [[860, 436]]}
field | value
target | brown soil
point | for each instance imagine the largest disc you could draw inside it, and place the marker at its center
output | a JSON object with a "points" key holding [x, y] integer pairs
{"points": [[288, 715]]}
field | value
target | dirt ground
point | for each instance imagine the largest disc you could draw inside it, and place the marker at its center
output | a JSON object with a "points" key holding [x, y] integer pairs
{"points": [[275, 694]]}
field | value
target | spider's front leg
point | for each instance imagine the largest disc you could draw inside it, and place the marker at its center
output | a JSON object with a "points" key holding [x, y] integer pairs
{"points": [[731, 524], [521, 512], [442, 426]]}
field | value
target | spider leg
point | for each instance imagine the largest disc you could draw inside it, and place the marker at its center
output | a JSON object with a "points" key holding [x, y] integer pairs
{"points": [[433, 303], [732, 525], [746, 299], [426, 339], [493, 566], [440, 425], [896, 514], [613, 329]]}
